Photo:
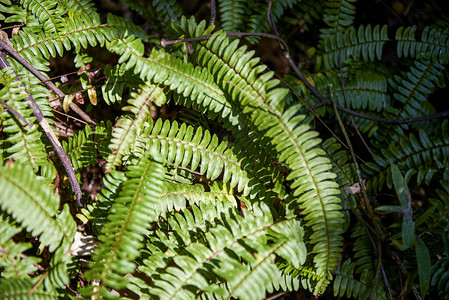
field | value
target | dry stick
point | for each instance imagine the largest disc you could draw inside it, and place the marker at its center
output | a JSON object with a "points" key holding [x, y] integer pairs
{"points": [[350, 116], [50, 134], [4, 46], [16, 114], [212, 12]]}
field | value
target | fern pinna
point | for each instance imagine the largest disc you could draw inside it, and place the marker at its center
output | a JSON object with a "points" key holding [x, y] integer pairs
{"points": [[212, 181]]}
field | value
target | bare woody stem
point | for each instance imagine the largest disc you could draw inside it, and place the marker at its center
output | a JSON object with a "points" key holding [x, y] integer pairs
{"points": [[49, 133], [13, 53]]}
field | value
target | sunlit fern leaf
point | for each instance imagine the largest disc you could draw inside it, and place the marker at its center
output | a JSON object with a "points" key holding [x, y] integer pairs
{"points": [[99, 211], [346, 283], [421, 156], [240, 76], [128, 127], [22, 289], [338, 15], [177, 196], [233, 14], [162, 68], [48, 14], [13, 262], [305, 276], [117, 80], [81, 148], [199, 151], [85, 7], [225, 243], [414, 87], [37, 211], [23, 144], [364, 42], [434, 43], [129, 219]]}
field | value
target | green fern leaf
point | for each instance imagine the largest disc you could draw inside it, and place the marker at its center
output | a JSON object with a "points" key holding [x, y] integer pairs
{"points": [[127, 128], [134, 208], [36, 211], [237, 73]]}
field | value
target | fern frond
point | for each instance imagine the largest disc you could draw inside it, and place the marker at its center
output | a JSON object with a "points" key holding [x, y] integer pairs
{"points": [[22, 144], [237, 72], [420, 156], [12, 261], [346, 284], [338, 15], [118, 78], [232, 14], [21, 289], [177, 195], [162, 68], [365, 42], [168, 9], [434, 43], [197, 149], [127, 127], [37, 211], [221, 252], [415, 86], [81, 148], [363, 250], [134, 208], [440, 276]]}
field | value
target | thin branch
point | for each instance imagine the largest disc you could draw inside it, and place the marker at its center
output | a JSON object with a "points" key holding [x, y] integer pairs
{"points": [[50, 134], [213, 12], [16, 114], [350, 116], [4, 46]]}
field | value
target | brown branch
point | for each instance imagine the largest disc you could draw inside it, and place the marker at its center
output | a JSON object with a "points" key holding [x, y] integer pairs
{"points": [[213, 12], [350, 116], [16, 114], [49, 133], [4, 46]]}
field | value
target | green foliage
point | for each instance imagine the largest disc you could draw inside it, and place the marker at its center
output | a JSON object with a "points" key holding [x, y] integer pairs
{"points": [[212, 181]]}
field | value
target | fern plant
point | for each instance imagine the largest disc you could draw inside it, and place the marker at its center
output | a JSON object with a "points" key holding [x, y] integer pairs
{"points": [[204, 176]]}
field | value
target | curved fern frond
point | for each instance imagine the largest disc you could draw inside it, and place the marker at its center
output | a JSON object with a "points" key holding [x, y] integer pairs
{"points": [[365, 42], [237, 72], [37, 211], [346, 284], [420, 156], [127, 128], [134, 208], [197, 149], [434, 43]]}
